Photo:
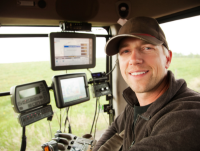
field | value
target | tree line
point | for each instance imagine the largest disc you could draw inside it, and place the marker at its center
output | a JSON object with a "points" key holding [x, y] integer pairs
{"points": [[180, 55]]}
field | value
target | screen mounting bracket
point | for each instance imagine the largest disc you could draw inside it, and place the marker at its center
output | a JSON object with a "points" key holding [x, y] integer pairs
{"points": [[75, 26]]}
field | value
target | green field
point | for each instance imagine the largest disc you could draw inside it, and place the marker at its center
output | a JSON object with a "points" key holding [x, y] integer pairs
{"points": [[81, 115], [188, 69]]}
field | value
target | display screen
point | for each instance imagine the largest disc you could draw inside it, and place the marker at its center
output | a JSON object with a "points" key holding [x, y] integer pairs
{"points": [[29, 92], [73, 89], [72, 51], [97, 75]]}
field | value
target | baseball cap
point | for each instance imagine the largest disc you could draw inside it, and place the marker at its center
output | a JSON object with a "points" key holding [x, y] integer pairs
{"points": [[144, 28]]}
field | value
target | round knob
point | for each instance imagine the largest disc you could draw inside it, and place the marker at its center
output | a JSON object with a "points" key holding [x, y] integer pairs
{"points": [[75, 137], [69, 147], [72, 142]]}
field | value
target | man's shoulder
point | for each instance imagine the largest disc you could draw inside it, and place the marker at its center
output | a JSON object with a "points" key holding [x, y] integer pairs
{"points": [[187, 95], [186, 100]]}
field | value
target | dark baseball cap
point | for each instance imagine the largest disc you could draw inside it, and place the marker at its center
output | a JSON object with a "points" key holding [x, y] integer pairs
{"points": [[144, 28]]}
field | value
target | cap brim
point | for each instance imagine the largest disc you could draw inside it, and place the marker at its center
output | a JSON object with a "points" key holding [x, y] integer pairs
{"points": [[112, 46]]}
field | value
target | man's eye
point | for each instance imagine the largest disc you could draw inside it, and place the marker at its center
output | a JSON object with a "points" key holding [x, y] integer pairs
{"points": [[147, 48], [125, 51]]}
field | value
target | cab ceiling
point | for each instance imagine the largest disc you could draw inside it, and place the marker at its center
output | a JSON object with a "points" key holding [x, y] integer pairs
{"points": [[97, 12]]}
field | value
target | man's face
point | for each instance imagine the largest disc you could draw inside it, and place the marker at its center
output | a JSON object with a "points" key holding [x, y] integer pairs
{"points": [[143, 65]]}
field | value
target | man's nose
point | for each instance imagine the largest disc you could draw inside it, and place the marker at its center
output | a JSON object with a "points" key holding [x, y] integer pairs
{"points": [[135, 58]]}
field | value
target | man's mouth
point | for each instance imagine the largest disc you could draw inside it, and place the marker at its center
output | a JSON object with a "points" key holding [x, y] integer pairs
{"points": [[138, 73]]}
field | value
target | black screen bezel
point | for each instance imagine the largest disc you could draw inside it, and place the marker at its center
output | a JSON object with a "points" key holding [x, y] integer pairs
{"points": [[71, 35], [59, 101], [15, 95]]}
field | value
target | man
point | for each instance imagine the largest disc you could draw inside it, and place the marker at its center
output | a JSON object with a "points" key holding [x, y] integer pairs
{"points": [[161, 112]]}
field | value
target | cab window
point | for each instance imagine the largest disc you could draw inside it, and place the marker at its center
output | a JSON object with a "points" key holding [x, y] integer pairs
{"points": [[25, 58]]}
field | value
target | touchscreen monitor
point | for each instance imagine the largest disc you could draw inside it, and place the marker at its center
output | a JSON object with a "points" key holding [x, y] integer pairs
{"points": [[70, 89], [72, 51]]}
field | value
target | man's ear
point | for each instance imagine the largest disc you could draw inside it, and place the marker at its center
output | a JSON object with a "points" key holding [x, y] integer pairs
{"points": [[168, 59]]}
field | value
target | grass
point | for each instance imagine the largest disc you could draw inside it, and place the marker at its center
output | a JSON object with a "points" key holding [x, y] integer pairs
{"points": [[81, 115], [188, 69]]}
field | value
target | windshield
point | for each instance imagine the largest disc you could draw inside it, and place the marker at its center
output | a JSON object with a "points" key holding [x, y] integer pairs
{"points": [[26, 59]]}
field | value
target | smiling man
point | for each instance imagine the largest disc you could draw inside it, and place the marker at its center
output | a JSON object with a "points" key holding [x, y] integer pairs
{"points": [[162, 113], [144, 67]]}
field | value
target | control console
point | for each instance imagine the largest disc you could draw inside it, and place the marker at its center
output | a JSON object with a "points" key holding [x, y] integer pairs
{"points": [[28, 118], [69, 142], [28, 96], [100, 85], [101, 89]]}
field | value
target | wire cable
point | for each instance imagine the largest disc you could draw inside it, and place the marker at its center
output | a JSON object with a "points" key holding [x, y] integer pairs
{"points": [[60, 120], [105, 119], [65, 123], [89, 70], [102, 113], [69, 127], [63, 114], [50, 130], [116, 62], [23, 145], [97, 119], [66, 119], [94, 117], [57, 119], [70, 130]]}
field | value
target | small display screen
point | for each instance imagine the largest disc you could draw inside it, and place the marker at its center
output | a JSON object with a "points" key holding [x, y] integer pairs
{"points": [[29, 92], [73, 51], [97, 75], [73, 89]]}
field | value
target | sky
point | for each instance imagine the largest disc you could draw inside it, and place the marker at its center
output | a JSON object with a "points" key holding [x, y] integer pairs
{"points": [[35, 49], [182, 37]]}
